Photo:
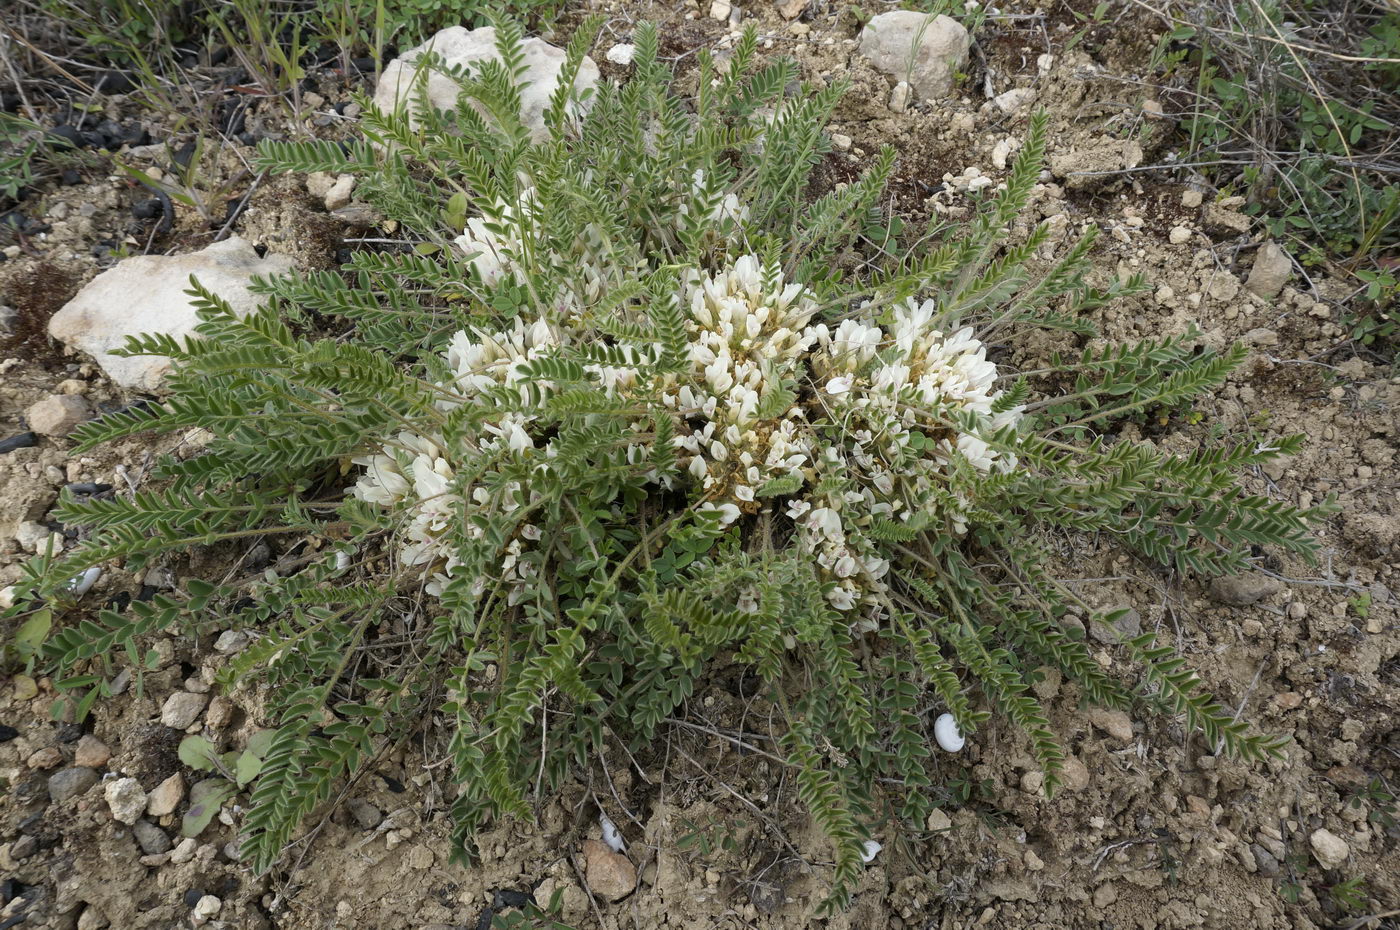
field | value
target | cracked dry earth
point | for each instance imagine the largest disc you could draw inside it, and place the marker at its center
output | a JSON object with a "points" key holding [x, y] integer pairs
{"points": [[1154, 830]]}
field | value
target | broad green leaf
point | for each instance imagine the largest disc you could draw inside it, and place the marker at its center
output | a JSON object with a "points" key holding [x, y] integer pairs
{"points": [[260, 742], [197, 752], [32, 633], [206, 797], [247, 768]]}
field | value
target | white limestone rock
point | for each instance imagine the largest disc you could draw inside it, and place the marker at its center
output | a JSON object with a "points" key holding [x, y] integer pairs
{"points": [[146, 294], [464, 47], [1272, 266], [927, 51]]}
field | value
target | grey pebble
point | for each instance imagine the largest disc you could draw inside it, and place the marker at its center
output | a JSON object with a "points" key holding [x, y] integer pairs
{"points": [[66, 784], [151, 838], [1127, 626]]}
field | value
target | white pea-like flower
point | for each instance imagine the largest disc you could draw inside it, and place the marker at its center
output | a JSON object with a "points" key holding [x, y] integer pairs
{"points": [[840, 385]]}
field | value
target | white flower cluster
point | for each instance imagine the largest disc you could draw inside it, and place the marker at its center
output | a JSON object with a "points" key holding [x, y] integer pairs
{"points": [[416, 469], [748, 331], [869, 420], [883, 387]]}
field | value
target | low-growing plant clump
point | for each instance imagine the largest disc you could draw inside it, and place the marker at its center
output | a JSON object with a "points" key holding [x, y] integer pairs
{"points": [[632, 404]]}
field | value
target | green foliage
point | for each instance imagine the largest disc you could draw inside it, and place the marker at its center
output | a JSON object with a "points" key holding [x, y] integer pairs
{"points": [[19, 142], [1286, 118], [1378, 797], [119, 27], [408, 22], [527, 558], [1350, 895]]}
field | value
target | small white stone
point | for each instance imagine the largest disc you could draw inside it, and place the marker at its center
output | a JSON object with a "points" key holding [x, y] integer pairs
{"points": [[206, 908], [1015, 100], [126, 798], [184, 852], [1179, 235], [340, 192], [720, 10], [899, 97], [1329, 848], [1001, 153], [182, 709], [621, 54], [947, 733], [230, 641], [146, 293], [166, 797], [872, 849], [58, 414], [406, 80], [842, 143]]}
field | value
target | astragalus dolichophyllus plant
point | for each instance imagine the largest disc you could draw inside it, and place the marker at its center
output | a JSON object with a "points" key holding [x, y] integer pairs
{"points": [[629, 404]]}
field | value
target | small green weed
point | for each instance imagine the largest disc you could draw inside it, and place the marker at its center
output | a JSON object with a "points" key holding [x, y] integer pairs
{"points": [[1350, 895]]}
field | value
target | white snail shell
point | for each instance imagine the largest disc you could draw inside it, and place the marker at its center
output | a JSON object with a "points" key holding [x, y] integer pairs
{"points": [[611, 835], [82, 584], [872, 849], [946, 732]]}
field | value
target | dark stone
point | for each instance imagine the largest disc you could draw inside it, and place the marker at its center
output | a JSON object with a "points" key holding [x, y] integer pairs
{"points": [[20, 441], [114, 82], [66, 784], [70, 176], [232, 116], [24, 225], [69, 732], [146, 209], [68, 134], [503, 898], [192, 896], [89, 487], [151, 838], [112, 133], [7, 733], [136, 134], [185, 153]]}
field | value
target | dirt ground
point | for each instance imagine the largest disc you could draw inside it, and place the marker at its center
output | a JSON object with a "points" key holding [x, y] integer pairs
{"points": [[1153, 830]]}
